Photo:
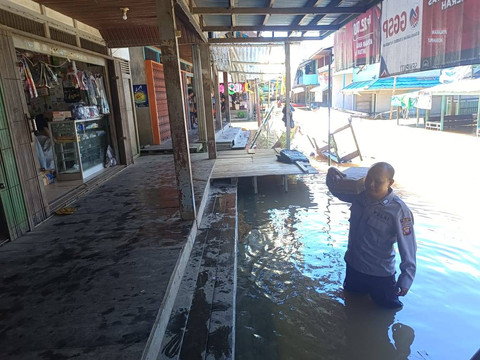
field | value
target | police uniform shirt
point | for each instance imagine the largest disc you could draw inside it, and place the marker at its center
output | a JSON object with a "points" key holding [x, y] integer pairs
{"points": [[375, 226]]}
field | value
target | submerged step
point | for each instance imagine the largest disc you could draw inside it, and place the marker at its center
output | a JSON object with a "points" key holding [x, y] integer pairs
{"points": [[202, 323]]}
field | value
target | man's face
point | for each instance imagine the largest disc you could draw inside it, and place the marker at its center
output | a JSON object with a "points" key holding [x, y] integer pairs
{"points": [[377, 183]]}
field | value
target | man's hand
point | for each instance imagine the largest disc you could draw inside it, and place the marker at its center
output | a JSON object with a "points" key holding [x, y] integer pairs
{"points": [[334, 176], [402, 291]]}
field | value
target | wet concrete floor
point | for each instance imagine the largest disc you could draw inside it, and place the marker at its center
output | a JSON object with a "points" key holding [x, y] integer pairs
{"points": [[89, 285]]}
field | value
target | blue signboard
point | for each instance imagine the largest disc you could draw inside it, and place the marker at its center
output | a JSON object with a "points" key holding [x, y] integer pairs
{"points": [[140, 94]]}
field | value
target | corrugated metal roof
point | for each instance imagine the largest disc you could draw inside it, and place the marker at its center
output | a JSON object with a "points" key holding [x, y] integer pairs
{"points": [[358, 85], [298, 18], [250, 62], [461, 87], [404, 83]]}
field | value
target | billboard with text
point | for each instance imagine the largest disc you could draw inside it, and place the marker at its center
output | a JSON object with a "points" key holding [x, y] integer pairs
{"points": [[366, 37], [358, 42], [451, 33], [420, 35], [401, 37]]}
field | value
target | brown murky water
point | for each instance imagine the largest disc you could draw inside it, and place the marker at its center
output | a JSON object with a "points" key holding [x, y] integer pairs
{"points": [[290, 302]]}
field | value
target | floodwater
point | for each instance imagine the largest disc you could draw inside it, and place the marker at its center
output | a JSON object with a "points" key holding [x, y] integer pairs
{"points": [[290, 302]]}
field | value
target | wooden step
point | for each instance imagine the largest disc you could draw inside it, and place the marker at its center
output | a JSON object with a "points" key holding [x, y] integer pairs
{"points": [[202, 323]]}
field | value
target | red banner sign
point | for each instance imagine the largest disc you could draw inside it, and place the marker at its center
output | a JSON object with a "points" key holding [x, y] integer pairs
{"points": [[450, 33]]}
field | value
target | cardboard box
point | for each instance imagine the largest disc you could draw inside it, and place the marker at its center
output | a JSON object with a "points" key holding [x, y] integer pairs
{"points": [[48, 177], [353, 182], [61, 115]]}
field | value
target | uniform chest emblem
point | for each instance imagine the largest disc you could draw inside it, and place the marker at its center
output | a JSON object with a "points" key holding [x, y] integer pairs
{"points": [[381, 216]]}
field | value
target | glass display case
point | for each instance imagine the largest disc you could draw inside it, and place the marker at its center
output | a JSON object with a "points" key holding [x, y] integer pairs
{"points": [[79, 147]]}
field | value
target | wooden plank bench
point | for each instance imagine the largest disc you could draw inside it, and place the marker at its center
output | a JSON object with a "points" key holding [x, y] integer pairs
{"points": [[452, 122]]}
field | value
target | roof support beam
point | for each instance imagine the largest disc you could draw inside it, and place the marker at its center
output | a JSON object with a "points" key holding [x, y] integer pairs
{"points": [[311, 3], [249, 44], [279, 11], [256, 72], [317, 18], [264, 40], [273, 28], [233, 19], [269, 4], [186, 11], [257, 63]]}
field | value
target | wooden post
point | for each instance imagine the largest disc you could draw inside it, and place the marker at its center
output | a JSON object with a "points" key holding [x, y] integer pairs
{"points": [[218, 106], [176, 110], [227, 97], [442, 112], [207, 98], [268, 100], [418, 117], [197, 68], [329, 105], [258, 103], [287, 91], [250, 100], [393, 93], [478, 118]]}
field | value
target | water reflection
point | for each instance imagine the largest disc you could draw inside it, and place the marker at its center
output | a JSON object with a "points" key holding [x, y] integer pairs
{"points": [[367, 331], [290, 301]]}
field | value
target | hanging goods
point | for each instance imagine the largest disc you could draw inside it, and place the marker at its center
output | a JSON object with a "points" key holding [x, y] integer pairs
{"points": [[30, 84]]}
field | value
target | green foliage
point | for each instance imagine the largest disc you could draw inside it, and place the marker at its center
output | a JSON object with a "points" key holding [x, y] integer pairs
{"points": [[241, 114]]}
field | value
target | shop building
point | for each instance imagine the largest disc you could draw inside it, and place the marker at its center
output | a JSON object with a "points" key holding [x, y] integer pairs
{"points": [[150, 92], [66, 112]]}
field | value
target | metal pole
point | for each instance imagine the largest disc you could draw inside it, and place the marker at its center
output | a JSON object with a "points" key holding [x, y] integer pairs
{"points": [[287, 90], [329, 102]]}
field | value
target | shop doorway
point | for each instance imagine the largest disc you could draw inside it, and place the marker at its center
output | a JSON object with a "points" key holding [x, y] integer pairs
{"points": [[68, 104], [131, 116], [13, 214], [4, 234]]}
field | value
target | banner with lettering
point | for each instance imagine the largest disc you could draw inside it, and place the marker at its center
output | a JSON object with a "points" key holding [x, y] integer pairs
{"points": [[342, 48], [451, 33], [358, 42], [401, 37], [366, 37]]}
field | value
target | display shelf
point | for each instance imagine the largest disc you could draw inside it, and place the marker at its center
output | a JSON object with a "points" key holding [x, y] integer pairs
{"points": [[79, 146]]}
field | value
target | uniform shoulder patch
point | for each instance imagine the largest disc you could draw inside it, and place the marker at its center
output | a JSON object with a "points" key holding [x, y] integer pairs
{"points": [[406, 225]]}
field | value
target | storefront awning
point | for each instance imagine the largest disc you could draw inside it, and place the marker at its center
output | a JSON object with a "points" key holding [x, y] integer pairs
{"points": [[462, 87], [298, 90], [319, 88], [356, 86], [401, 83], [404, 83], [422, 99]]}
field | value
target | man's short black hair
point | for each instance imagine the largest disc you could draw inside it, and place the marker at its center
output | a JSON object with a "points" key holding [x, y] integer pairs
{"points": [[386, 166]]}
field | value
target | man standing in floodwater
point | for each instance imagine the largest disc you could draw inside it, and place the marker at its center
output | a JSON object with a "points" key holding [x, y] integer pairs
{"points": [[378, 220]]}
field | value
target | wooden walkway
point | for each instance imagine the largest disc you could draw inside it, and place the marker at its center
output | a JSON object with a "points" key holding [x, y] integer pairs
{"points": [[261, 162]]}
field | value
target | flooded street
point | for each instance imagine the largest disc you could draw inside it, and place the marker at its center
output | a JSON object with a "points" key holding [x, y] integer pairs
{"points": [[290, 302]]}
